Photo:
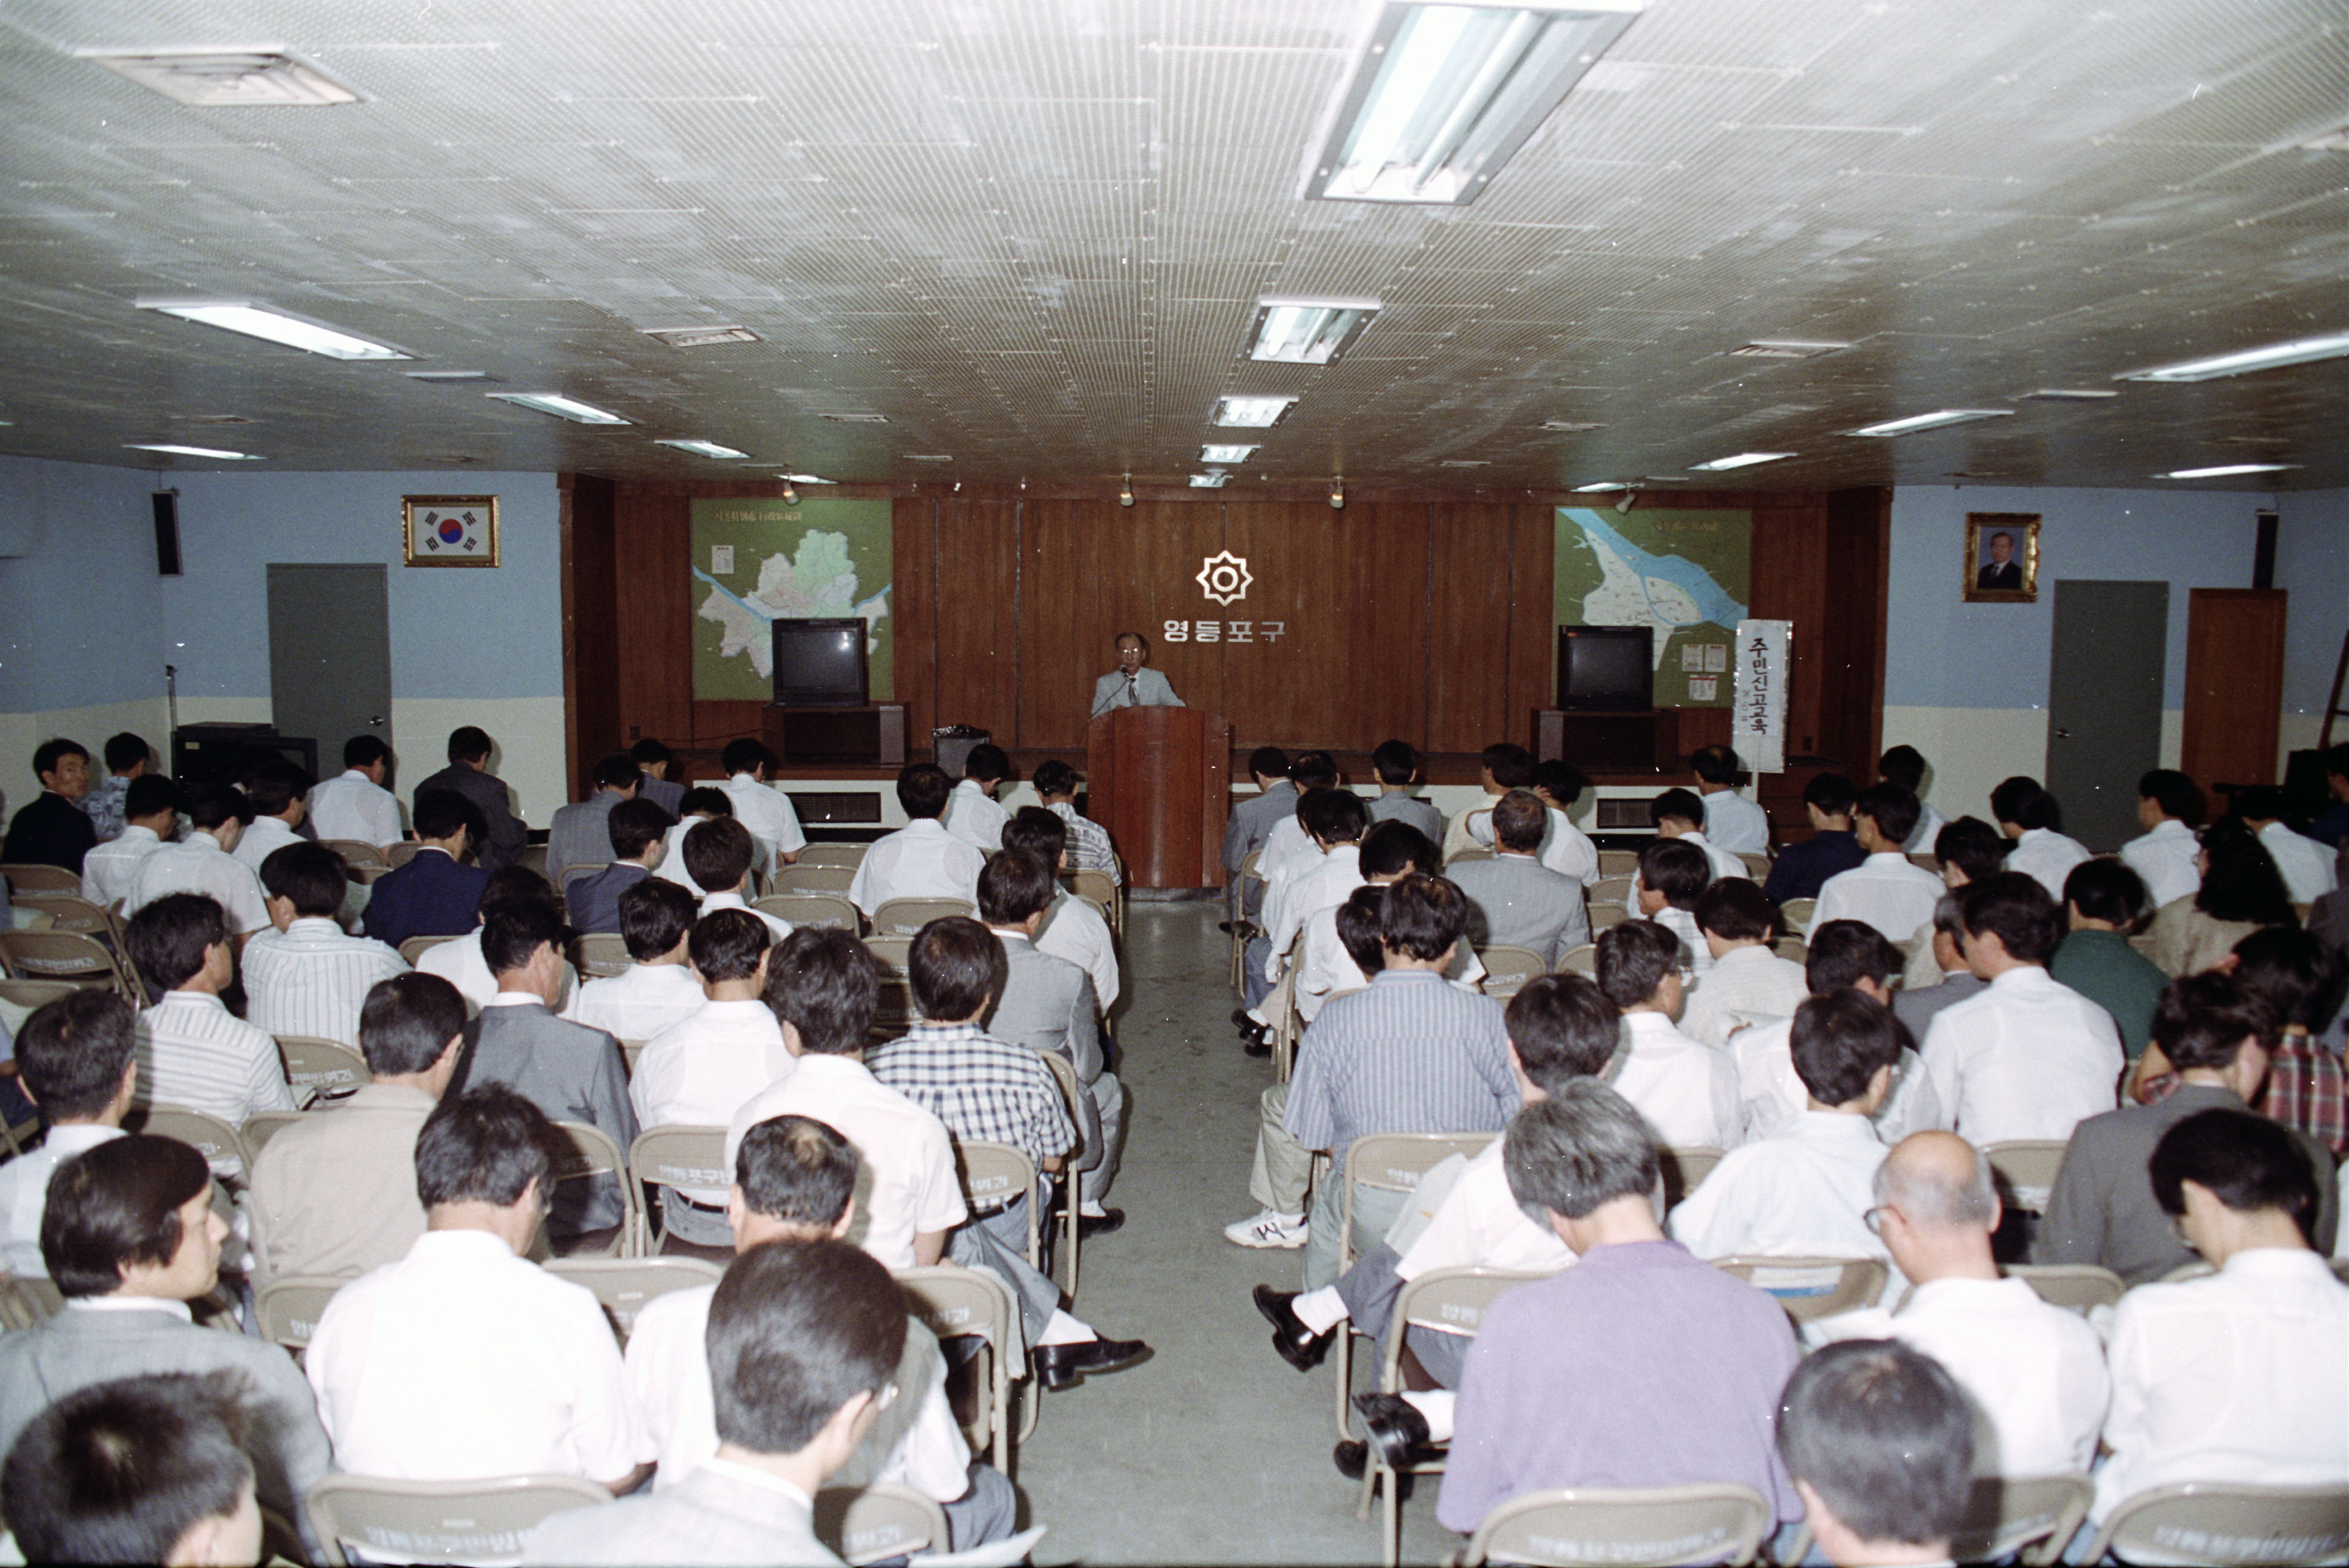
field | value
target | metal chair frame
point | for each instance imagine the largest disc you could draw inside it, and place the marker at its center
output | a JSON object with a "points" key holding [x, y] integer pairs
{"points": [[331, 1070], [673, 1155], [599, 1154], [1508, 968], [956, 1302], [1859, 1282], [906, 916], [2025, 1170], [2277, 1524], [289, 1307], [625, 1285], [597, 954], [826, 909], [877, 1522]]}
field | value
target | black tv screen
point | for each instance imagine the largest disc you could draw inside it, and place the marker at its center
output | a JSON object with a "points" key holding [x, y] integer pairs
{"points": [[820, 664], [1606, 668]]}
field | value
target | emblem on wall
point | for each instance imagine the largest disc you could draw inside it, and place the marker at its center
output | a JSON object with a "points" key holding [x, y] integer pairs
{"points": [[1225, 577]]}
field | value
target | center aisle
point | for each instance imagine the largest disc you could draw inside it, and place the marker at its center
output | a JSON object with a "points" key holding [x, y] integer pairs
{"points": [[1214, 1450]]}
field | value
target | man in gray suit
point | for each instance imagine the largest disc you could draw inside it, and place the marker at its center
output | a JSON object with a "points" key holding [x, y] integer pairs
{"points": [[1130, 685], [582, 834], [1915, 1004], [803, 1339], [1251, 822], [503, 834], [1396, 762], [1515, 900]]}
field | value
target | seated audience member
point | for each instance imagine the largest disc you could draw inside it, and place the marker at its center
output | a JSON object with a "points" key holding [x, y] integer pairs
{"points": [[1329, 964], [2241, 1375], [132, 1231], [2305, 865], [920, 860], [1333, 822], [655, 761], [303, 975], [1680, 814], [2101, 1208], [1802, 869], [1844, 956], [2169, 807], [1640, 1366], [569, 1072], [150, 812], [75, 1061], [274, 796], [2303, 983], [657, 988], [1672, 876], [1566, 849], [139, 1469], [1915, 1004], [1396, 762], [459, 962], [2242, 892], [2034, 1373], [2330, 827], [1748, 981], [973, 814], [636, 830], [1504, 766], [52, 829], [202, 864], [1071, 928], [1882, 1446], [2027, 1059], [698, 807], [1089, 849], [2027, 814], [1288, 841], [1252, 820], [1805, 1190], [1905, 765], [336, 1195], [1732, 822], [1515, 901], [803, 1339], [1888, 890], [126, 756], [503, 834], [354, 804], [759, 806], [579, 843], [2103, 902], [717, 856], [193, 1053], [435, 894], [1969, 849], [1686, 1089], [700, 1071], [464, 1359]]}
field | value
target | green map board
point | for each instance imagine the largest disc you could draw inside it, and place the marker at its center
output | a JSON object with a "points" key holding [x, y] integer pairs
{"points": [[1687, 574], [758, 560]]}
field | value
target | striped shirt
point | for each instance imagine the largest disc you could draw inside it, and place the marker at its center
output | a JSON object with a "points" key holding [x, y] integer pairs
{"points": [[1089, 846], [107, 871], [1410, 1054], [311, 979], [980, 1087], [193, 1053]]}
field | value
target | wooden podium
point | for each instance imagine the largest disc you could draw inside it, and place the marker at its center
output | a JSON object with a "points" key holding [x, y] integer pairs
{"points": [[1160, 784]]}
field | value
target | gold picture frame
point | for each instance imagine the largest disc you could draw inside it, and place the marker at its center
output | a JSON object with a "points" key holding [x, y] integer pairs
{"points": [[1991, 578], [449, 530]]}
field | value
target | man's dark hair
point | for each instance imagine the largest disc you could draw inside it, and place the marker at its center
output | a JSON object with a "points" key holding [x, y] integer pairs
{"points": [[470, 743], [2025, 802], [2243, 882], [1268, 762], [717, 855], [648, 751], [120, 1471], [167, 938], [1014, 885], [796, 1169], [1583, 1146], [1511, 765], [2016, 910], [1843, 953], [1358, 928], [1563, 1027], [2247, 1162], [1680, 871], [987, 763], [212, 806], [1686, 805], [745, 755], [1839, 1040], [654, 913], [438, 814], [2336, 761], [1054, 777], [487, 1146], [707, 801], [1974, 846], [1634, 957], [1833, 794], [274, 785], [2175, 793], [822, 982], [2106, 891], [49, 753], [312, 875], [1561, 781], [1716, 765], [1519, 821], [407, 1021], [1394, 761], [2294, 973], [2259, 803], [797, 1329], [2202, 1021], [126, 751], [728, 945], [635, 825], [152, 794], [1422, 916], [115, 1206], [1038, 830], [510, 885], [1333, 816], [617, 771], [1893, 809], [364, 752], [923, 789], [512, 931], [1735, 910], [72, 1053], [1881, 1431], [1904, 766], [958, 967], [1313, 770], [1393, 846]]}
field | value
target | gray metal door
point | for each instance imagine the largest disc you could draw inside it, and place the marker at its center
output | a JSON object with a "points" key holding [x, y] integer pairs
{"points": [[2104, 703], [330, 657]]}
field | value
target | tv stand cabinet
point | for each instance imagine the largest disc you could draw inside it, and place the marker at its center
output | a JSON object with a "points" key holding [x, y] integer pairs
{"points": [[873, 736]]}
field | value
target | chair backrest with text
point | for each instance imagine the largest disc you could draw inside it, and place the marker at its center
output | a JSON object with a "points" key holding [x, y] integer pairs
{"points": [[438, 1521], [957, 1302], [1813, 1287], [674, 1156], [624, 1285], [1624, 1526], [2236, 1522]]}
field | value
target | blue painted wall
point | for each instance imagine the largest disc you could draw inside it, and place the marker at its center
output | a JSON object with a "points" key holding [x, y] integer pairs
{"points": [[2313, 561], [81, 620]]}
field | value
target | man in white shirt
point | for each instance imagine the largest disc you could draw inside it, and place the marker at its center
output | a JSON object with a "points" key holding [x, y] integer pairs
{"points": [[701, 1071], [972, 812], [1333, 821], [767, 811], [273, 794], [75, 1059], [193, 1052], [1680, 814], [657, 989], [1880, 1447], [717, 855], [1888, 890], [1332, 963], [2028, 1058], [1905, 765], [2169, 807], [1673, 874], [151, 814], [1845, 955], [1565, 849], [920, 860], [460, 963], [1732, 822], [2240, 1376], [1747, 982], [355, 805], [699, 806], [2305, 864], [464, 1359], [203, 865], [2029, 815], [1071, 928], [1288, 848], [1687, 1090], [1504, 766], [303, 975]]}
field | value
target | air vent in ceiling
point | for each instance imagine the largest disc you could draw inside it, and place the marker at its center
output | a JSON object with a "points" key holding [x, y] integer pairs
{"points": [[1784, 349], [263, 77], [700, 336], [2334, 140], [856, 418]]}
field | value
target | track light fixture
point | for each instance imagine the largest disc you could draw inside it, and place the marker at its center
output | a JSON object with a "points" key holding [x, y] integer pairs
{"points": [[790, 493], [1338, 493], [1125, 491]]}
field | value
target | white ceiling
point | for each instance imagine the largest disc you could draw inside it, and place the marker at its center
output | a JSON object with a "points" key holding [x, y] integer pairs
{"points": [[1032, 233]]}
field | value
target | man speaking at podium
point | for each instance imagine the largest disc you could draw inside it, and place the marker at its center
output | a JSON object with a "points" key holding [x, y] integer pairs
{"points": [[1130, 685]]}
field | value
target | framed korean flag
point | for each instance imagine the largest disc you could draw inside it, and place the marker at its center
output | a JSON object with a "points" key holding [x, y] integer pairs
{"points": [[450, 529]]}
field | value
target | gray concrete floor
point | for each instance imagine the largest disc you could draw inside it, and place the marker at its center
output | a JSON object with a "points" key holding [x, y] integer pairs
{"points": [[1214, 1450]]}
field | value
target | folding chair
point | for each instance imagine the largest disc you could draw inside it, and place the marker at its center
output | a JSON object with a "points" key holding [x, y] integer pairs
{"points": [[2035, 1518], [594, 1153], [1798, 912], [1624, 1526], [1239, 922], [1619, 863], [1581, 960], [876, 1523], [906, 916], [849, 855], [289, 1308], [675, 1156], [41, 880], [996, 1173], [1685, 1170], [1606, 916], [416, 947], [400, 853], [814, 878], [957, 1302], [2025, 1170], [1611, 890], [895, 1011], [36, 994], [364, 861], [438, 1521], [1506, 970], [78, 960], [624, 1285], [1474, 853], [2076, 1288], [1279, 1008], [25, 1302], [1072, 1091], [826, 909], [263, 1125], [200, 1130], [1099, 887], [573, 872], [599, 953], [1756, 866], [2209, 1521], [331, 1070], [69, 912], [1791, 948], [1810, 1289]]}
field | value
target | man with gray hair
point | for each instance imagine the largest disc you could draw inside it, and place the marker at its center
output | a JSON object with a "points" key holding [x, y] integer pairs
{"points": [[1877, 1437]]}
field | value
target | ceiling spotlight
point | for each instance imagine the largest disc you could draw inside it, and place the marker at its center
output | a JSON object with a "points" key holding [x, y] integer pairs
{"points": [[1252, 413], [276, 326], [1125, 491], [1307, 331], [190, 452], [790, 493], [703, 448], [1338, 493], [2226, 470], [562, 408], [2300, 351], [1932, 421]]}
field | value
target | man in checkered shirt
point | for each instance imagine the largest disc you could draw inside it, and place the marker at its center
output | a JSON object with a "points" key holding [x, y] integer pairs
{"points": [[1088, 844]]}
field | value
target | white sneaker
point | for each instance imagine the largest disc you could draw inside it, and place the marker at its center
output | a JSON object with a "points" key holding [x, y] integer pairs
{"points": [[1269, 1230]]}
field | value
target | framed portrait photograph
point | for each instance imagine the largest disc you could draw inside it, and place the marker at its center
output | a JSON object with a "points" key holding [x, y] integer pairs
{"points": [[2003, 557], [450, 529]]}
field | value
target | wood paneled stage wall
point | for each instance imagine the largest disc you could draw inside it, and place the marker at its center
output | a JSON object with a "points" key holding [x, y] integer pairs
{"points": [[1425, 616]]}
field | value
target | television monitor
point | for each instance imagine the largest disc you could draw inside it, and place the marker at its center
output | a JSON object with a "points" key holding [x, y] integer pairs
{"points": [[1606, 669], [820, 664]]}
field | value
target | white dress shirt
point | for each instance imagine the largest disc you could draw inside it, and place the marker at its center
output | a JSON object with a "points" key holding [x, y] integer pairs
{"points": [[108, 869], [1800, 1192], [1695, 948], [1321, 884], [768, 813], [2240, 1376], [920, 860], [1326, 968], [1564, 848], [2026, 1058], [311, 979], [353, 806], [2306, 865], [1479, 1225], [1687, 1090], [463, 1361], [1075, 931], [1736, 823], [637, 1003], [199, 866], [2163, 857], [25, 1192], [1927, 831], [1888, 890], [263, 836], [1752, 981], [777, 926], [459, 961], [195, 1054], [1288, 843], [672, 865], [1724, 864], [908, 1185], [973, 816], [2046, 857], [1771, 1096], [700, 1072]]}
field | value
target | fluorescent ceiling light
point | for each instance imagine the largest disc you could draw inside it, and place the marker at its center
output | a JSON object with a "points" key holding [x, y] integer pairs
{"points": [[1252, 413], [2071, 393], [807, 478], [1570, 425], [276, 326], [1786, 348], [703, 448], [2227, 472], [448, 375], [1208, 482], [1933, 421], [1225, 454], [700, 336], [192, 451], [929, 457], [1602, 485], [1443, 95], [225, 78], [2300, 351], [1742, 461], [562, 408], [1307, 331], [855, 418]]}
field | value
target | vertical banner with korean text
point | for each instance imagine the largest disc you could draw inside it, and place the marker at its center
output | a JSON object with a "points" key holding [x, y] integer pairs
{"points": [[1758, 728]]}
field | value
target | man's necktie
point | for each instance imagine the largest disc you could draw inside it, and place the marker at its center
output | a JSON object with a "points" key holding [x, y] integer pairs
{"points": [[1131, 700]]}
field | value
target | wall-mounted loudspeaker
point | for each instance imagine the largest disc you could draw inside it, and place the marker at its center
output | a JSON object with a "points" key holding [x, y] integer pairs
{"points": [[167, 533]]}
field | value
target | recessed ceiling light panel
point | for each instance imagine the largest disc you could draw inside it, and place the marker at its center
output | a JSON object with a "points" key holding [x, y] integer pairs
{"points": [[1570, 425], [2070, 394], [1741, 460], [1209, 480], [275, 325], [2300, 351], [700, 336], [1307, 331], [1786, 348], [703, 448], [929, 457], [1932, 421], [1252, 413], [171, 450], [2226, 470], [855, 418], [1225, 454], [264, 78], [1601, 486], [807, 478], [562, 408], [448, 375]]}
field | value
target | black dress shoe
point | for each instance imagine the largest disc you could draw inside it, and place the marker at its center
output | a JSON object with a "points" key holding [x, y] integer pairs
{"points": [[1100, 1224], [1259, 1043], [1298, 1346], [1352, 1458], [1242, 1022], [1395, 1428], [1059, 1365]]}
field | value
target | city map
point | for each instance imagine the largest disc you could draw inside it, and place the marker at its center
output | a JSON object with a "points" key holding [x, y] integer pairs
{"points": [[1684, 573], [758, 561]]}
